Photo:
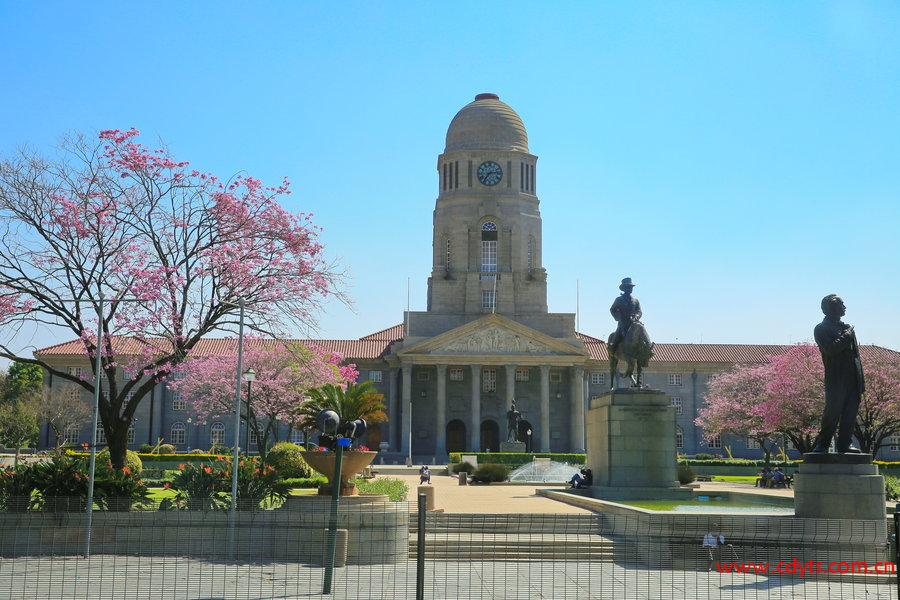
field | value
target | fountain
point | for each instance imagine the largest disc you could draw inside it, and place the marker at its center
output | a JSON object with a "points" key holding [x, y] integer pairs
{"points": [[544, 471]]}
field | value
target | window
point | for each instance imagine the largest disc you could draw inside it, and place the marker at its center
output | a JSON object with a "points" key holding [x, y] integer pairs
{"points": [[456, 374], [296, 436], [531, 252], [71, 435], [555, 376], [598, 378], [488, 300], [217, 434], [445, 176], [679, 437], [489, 380], [253, 438], [709, 377], [489, 248], [523, 374], [177, 434], [76, 372], [456, 174], [894, 443], [675, 379], [375, 376], [178, 402], [126, 375], [753, 444], [679, 408], [422, 375], [447, 256], [129, 437], [101, 435], [72, 392], [714, 443]]}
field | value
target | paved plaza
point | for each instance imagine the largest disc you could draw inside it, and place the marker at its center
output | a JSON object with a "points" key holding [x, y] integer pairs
{"points": [[121, 578]]}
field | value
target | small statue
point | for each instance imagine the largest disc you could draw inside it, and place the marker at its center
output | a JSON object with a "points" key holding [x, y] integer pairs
{"points": [[512, 423], [844, 380], [629, 342]]}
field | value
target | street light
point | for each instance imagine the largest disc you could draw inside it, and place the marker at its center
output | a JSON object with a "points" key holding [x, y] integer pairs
{"points": [[249, 377]]}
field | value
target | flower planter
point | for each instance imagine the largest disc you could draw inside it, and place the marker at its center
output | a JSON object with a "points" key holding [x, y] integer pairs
{"points": [[352, 465]]}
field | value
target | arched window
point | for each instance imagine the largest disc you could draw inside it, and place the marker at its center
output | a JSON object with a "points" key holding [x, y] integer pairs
{"points": [[71, 435], [489, 248], [217, 434], [679, 437], [177, 434], [129, 437], [101, 434]]}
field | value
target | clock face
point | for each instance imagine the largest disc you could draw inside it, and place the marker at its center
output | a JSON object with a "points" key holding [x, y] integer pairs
{"points": [[490, 173]]}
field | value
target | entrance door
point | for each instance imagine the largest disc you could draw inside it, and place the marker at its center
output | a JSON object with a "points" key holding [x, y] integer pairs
{"points": [[456, 436], [526, 433], [490, 436]]}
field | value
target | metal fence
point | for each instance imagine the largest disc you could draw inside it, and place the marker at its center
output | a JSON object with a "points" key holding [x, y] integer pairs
{"points": [[391, 550]]}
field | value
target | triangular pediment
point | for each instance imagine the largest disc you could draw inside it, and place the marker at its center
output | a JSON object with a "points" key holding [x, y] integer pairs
{"points": [[494, 335]]}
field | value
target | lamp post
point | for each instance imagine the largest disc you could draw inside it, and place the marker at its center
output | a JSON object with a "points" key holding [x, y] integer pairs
{"points": [[249, 377]]}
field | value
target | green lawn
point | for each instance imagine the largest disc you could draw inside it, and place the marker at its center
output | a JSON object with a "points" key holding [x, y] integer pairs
{"points": [[746, 479]]}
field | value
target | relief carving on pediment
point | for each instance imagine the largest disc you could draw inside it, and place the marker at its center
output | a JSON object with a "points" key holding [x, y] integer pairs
{"points": [[494, 340]]}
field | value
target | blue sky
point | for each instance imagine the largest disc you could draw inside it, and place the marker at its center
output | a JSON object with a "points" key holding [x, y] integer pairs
{"points": [[738, 160]]}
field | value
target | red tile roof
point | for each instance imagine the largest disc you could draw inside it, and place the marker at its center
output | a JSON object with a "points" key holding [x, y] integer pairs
{"points": [[377, 345]]}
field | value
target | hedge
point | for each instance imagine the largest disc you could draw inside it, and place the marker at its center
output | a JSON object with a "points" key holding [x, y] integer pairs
{"points": [[517, 458], [183, 457]]}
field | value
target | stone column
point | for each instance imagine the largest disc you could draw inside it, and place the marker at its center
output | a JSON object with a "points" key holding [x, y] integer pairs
{"points": [[475, 434], [510, 388], [406, 403], [440, 443], [393, 410], [545, 408], [576, 442]]}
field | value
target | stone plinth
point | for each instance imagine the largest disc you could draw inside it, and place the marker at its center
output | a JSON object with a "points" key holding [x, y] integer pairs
{"points": [[631, 445], [512, 446], [428, 490], [839, 486]]}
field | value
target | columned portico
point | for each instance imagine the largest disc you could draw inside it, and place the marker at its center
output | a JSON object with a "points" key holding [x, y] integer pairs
{"points": [[440, 438], [576, 443], [406, 410], [545, 408], [476, 409], [510, 385], [394, 403]]}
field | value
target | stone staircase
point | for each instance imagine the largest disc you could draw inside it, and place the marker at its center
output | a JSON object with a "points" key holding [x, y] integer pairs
{"points": [[480, 537]]}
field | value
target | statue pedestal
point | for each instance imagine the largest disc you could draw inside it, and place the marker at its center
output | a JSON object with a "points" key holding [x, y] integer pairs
{"points": [[839, 486], [631, 445], [512, 446]]}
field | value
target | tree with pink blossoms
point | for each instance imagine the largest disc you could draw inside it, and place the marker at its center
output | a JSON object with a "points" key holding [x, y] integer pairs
{"points": [[879, 409], [173, 251], [796, 395], [735, 405], [285, 372]]}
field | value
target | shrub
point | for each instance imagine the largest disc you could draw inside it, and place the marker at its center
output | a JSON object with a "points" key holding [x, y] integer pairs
{"points": [[706, 456], [489, 473], [132, 461], [166, 449], [517, 459], [199, 487], [288, 461], [686, 474], [892, 487], [197, 451], [15, 489], [463, 468], [306, 482], [395, 489], [219, 449], [145, 449]]}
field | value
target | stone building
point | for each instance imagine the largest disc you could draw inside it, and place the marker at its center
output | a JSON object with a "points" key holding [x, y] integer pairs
{"points": [[451, 372]]}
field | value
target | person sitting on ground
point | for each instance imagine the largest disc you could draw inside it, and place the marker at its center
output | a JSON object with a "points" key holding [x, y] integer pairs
{"points": [[712, 541], [764, 477], [424, 475], [778, 478], [580, 480]]}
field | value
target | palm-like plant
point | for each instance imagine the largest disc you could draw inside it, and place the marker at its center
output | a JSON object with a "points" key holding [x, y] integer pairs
{"points": [[357, 401]]}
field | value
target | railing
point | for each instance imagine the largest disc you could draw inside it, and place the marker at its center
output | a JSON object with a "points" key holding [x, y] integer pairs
{"points": [[392, 550]]}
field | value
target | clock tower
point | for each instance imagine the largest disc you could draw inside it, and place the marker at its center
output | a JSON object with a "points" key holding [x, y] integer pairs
{"points": [[487, 222]]}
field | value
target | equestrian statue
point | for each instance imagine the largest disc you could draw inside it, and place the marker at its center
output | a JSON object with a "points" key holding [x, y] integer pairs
{"points": [[629, 343]]}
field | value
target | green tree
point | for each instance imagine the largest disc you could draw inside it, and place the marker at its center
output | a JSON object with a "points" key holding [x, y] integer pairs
{"points": [[356, 401], [23, 381], [19, 424]]}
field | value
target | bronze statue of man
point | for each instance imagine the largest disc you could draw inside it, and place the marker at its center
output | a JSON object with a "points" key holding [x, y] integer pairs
{"points": [[844, 382], [625, 309], [512, 423]]}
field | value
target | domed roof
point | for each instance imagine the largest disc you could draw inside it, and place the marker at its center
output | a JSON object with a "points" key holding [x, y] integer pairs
{"points": [[486, 123]]}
